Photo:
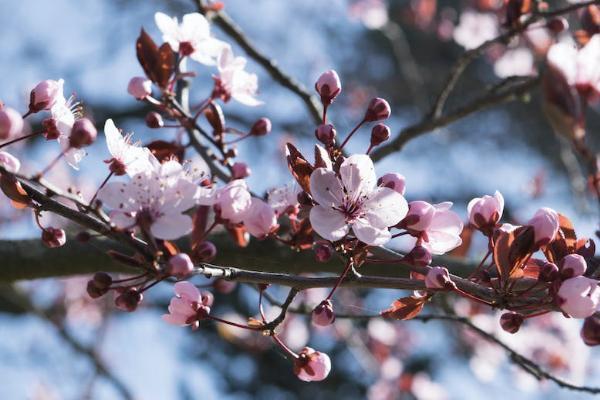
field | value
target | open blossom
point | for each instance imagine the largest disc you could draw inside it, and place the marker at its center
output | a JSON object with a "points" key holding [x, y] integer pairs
{"points": [[11, 123], [126, 158], [284, 198], [311, 365], [353, 200], [485, 212], [435, 225], [579, 296], [233, 81], [191, 37], [581, 68], [260, 220], [9, 162], [545, 226], [474, 28], [154, 200], [233, 200], [188, 306]]}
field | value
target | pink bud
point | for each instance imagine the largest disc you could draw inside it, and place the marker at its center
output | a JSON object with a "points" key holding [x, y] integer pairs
{"points": [[545, 225], [11, 123], [240, 170], [572, 265], [557, 25], [590, 331], [154, 120], [579, 296], [9, 162], [379, 134], [129, 300], [328, 86], [418, 256], [485, 212], [323, 251], [393, 181], [419, 217], [377, 110], [180, 265], [45, 95], [94, 291], [53, 237], [548, 272], [323, 314], [139, 87], [325, 133], [311, 365], [261, 127], [205, 251], [83, 133], [438, 278], [511, 321], [51, 131]]}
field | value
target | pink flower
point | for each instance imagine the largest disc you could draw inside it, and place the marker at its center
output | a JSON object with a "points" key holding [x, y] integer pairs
{"points": [[579, 296], [438, 278], [233, 200], [419, 216], [311, 365], [573, 265], [260, 220], [474, 28], [240, 170], [9, 162], [485, 212], [353, 200], [126, 158], [191, 37], [393, 181], [234, 82], [545, 226], [64, 114], [377, 110], [154, 200], [11, 123], [180, 265], [283, 198], [581, 68], [328, 86], [45, 95], [188, 306], [438, 228], [139, 87]]}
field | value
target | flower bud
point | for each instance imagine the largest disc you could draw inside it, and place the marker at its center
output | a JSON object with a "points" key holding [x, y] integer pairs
{"points": [[102, 280], [261, 127], [379, 134], [572, 265], [180, 265], [377, 110], [323, 314], [205, 251], [545, 226], [117, 167], [51, 131], [548, 272], [11, 123], [485, 212], [590, 331], [94, 291], [53, 237], [393, 181], [139, 87], [45, 95], [328, 86], [511, 321], [83, 133], [325, 133], [240, 170], [323, 251], [9, 162], [154, 120], [419, 217], [232, 153], [129, 300], [224, 286], [579, 296], [438, 278], [311, 365], [557, 25], [418, 256]]}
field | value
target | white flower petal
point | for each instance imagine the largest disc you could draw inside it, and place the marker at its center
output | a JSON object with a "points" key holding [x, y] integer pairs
{"points": [[326, 188], [367, 233], [358, 175], [328, 223], [171, 226], [385, 207]]}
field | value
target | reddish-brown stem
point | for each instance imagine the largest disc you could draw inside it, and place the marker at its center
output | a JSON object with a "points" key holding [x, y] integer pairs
{"points": [[340, 279], [284, 347], [52, 164], [224, 321], [19, 139], [357, 127]]}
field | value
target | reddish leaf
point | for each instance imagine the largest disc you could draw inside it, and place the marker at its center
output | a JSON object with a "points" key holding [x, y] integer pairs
{"points": [[170, 248], [299, 167], [216, 119], [510, 251], [14, 191], [165, 151], [564, 243], [239, 235], [405, 308], [199, 223], [166, 65], [466, 235], [158, 63], [303, 237]]}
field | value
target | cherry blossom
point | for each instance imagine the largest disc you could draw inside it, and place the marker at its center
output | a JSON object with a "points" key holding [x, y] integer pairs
{"points": [[393, 181], [485, 212], [260, 220], [573, 265], [139, 87], [154, 200], [579, 296], [311, 365], [191, 37], [126, 158], [443, 232], [180, 265], [11, 123], [233, 200], [233, 81], [283, 198], [474, 28], [9, 162], [438, 278], [515, 62], [353, 200], [188, 305], [545, 225], [45, 95]]}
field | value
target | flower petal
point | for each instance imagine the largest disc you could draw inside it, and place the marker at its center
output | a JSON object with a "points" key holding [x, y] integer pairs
{"points": [[326, 188], [328, 223], [171, 226], [358, 175], [385, 208], [367, 233]]}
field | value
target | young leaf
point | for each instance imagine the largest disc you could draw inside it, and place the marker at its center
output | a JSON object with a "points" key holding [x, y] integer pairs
{"points": [[299, 167], [405, 308]]}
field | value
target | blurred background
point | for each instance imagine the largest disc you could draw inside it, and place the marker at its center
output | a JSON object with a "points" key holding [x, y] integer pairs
{"points": [[399, 50]]}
